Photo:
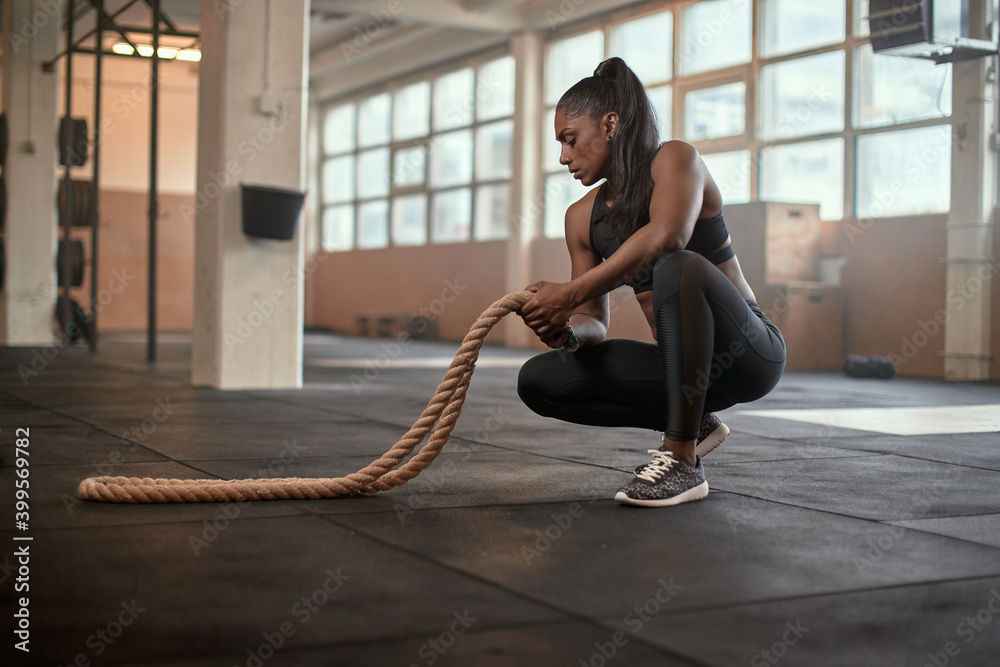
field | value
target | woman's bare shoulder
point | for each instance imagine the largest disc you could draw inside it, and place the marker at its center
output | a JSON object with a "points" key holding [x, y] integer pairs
{"points": [[674, 154]]}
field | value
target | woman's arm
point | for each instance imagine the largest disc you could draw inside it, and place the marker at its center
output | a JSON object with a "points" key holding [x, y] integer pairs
{"points": [[679, 180], [590, 318]]}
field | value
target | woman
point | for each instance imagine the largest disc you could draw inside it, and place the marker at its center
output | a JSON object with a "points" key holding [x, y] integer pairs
{"points": [[655, 224]]}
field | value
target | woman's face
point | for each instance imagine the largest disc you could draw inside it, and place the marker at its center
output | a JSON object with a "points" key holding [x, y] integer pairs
{"points": [[585, 145]]}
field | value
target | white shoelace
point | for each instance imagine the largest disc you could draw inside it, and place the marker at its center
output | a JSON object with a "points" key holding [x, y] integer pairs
{"points": [[655, 469]]}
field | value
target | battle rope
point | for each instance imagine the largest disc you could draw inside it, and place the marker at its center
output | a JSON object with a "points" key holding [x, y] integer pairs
{"points": [[444, 408]]}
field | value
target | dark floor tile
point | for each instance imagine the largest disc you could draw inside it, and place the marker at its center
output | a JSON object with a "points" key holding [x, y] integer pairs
{"points": [[249, 584], [724, 550], [885, 487], [457, 478], [55, 506], [984, 529], [980, 450], [79, 444], [909, 625]]}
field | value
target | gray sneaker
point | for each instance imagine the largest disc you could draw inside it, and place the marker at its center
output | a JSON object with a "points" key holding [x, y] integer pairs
{"points": [[711, 435], [664, 481]]}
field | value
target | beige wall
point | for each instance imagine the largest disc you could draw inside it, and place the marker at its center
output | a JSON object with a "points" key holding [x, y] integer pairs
{"points": [[894, 280], [451, 283], [122, 270]]}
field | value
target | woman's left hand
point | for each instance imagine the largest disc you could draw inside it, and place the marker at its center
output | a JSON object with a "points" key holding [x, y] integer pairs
{"points": [[548, 312]]}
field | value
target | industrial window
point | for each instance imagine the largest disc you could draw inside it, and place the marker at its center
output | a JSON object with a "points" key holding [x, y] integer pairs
{"points": [[811, 116], [428, 161]]}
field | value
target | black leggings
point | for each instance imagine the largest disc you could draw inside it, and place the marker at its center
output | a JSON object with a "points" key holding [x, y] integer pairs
{"points": [[713, 350]]}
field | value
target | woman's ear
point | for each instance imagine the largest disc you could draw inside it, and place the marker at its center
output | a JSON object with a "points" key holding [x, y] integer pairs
{"points": [[609, 123]]}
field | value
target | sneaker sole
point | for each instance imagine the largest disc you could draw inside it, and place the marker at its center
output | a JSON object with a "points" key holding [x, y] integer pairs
{"points": [[713, 440], [696, 493]]}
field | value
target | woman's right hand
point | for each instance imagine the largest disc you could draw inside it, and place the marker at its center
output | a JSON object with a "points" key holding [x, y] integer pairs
{"points": [[548, 312]]}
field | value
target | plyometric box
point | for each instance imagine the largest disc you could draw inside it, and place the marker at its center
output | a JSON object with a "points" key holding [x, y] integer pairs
{"points": [[776, 243]]}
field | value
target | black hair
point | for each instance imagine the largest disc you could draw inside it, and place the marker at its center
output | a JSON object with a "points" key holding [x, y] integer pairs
{"points": [[615, 87]]}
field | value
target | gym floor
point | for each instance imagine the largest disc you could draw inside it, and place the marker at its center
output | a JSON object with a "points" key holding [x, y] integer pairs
{"points": [[836, 536]]}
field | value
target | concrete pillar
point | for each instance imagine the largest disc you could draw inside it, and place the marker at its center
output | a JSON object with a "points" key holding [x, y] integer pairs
{"points": [[527, 204], [248, 310], [971, 266], [27, 301]]}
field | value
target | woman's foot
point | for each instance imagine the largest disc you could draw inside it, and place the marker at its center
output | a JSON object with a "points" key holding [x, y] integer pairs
{"points": [[664, 481]]}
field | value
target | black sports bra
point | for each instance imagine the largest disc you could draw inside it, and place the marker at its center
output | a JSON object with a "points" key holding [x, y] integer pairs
{"points": [[708, 234]]}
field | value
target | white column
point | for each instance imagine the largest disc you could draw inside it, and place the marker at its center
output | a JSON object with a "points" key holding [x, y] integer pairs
{"points": [[27, 302], [527, 204], [248, 310], [971, 269]]}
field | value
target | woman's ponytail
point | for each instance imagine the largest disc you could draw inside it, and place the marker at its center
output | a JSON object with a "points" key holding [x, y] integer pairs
{"points": [[615, 87]]}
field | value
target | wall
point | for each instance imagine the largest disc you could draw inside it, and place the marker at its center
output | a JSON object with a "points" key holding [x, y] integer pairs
{"points": [[894, 280], [122, 271], [454, 283]]}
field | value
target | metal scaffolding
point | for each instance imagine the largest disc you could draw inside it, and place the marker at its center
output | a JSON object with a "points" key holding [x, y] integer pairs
{"points": [[160, 24]]}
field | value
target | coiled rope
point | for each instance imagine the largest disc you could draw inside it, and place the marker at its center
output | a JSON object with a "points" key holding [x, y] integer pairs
{"points": [[443, 409]]}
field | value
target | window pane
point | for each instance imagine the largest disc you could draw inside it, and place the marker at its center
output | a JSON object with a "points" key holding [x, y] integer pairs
{"points": [[710, 113], [373, 121], [895, 90], [805, 173], [661, 99], [451, 158], [492, 212], [861, 18], [338, 129], [803, 96], [550, 144], [453, 100], [731, 172], [646, 44], [904, 173], [409, 220], [373, 224], [570, 60], [338, 228], [409, 166], [561, 190], [714, 34], [450, 214], [338, 179], [495, 89], [493, 150], [411, 108], [373, 173], [793, 25]]}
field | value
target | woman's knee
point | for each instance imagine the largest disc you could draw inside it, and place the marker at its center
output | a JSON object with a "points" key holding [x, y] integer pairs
{"points": [[669, 271], [534, 381]]}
